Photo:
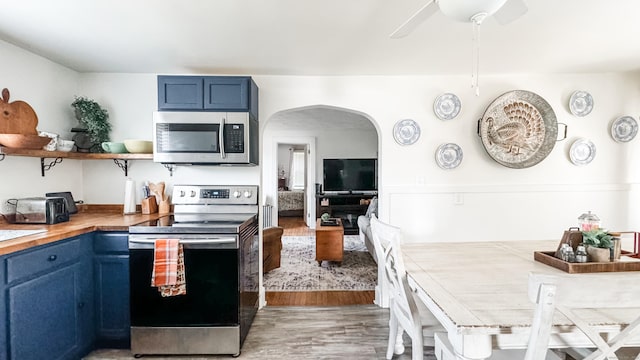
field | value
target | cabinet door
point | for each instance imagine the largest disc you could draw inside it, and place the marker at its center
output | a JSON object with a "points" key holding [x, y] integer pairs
{"points": [[180, 93], [3, 313], [112, 300], [226, 93], [45, 316]]}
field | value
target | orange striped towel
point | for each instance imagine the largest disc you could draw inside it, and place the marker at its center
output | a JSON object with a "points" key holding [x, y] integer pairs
{"points": [[168, 268]]}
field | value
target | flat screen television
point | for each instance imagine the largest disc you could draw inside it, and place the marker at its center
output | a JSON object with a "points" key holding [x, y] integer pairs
{"points": [[353, 175]]}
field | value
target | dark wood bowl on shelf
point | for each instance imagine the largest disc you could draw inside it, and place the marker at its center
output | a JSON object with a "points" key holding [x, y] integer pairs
{"points": [[22, 141]]}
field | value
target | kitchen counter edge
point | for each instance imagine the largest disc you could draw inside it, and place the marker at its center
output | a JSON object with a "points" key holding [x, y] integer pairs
{"points": [[81, 223]]}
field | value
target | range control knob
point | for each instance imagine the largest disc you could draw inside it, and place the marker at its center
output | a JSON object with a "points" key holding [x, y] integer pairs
{"points": [[193, 193], [236, 194], [247, 194], [182, 194]]}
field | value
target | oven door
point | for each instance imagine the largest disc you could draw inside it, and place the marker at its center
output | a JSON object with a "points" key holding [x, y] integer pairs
{"points": [[212, 281]]}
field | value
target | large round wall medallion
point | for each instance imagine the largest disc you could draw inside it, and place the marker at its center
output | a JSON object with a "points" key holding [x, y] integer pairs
{"points": [[518, 129]]}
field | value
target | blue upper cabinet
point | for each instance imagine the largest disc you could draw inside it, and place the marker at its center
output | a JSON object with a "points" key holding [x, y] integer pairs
{"points": [[180, 93], [208, 93]]}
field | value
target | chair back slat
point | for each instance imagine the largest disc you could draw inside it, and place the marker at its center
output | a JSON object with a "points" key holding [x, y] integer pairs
{"points": [[401, 300]]}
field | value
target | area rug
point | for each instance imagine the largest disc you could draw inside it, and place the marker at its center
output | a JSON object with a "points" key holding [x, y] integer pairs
{"points": [[299, 271]]}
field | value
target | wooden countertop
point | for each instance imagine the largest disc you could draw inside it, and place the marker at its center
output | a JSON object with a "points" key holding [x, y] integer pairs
{"points": [[89, 218]]}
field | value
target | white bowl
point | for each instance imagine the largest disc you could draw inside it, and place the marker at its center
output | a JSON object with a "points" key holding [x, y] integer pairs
{"points": [[53, 144], [139, 146], [65, 145]]}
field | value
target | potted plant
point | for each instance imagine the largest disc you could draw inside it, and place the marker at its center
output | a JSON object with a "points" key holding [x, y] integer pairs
{"points": [[598, 243], [94, 119]]}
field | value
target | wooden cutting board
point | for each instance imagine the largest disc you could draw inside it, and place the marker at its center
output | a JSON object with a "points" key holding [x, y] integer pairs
{"points": [[17, 117]]}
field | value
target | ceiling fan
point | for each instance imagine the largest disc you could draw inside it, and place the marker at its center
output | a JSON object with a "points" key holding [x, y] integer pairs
{"points": [[470, 11]]}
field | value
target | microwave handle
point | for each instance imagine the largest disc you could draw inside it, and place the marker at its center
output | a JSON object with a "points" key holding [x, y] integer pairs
{"points": [[221, 139]]}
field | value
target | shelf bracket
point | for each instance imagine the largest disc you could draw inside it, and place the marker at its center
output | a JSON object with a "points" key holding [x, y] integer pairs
{"points": [[124, 167], [171, 168], [46, 167]]}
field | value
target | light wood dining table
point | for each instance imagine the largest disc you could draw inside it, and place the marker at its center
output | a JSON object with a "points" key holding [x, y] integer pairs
{"points": [[478, 292]]}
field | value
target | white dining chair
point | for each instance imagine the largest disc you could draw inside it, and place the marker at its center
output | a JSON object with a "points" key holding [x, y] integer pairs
{"points": [[575, 297], [406, 314]]}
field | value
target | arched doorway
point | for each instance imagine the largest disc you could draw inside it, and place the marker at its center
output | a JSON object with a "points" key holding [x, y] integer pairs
{"points": [[319, 132]]}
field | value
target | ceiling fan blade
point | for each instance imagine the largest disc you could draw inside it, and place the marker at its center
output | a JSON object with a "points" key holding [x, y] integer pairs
{"points": [[510, 11], [416, 19]]}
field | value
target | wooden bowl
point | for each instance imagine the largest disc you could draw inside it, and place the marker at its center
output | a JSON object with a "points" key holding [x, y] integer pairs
{"points": [[21, 141]]}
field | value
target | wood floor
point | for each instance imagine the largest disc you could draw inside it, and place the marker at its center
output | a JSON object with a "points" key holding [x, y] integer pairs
{"points": [[294, 226], [294, 333]]}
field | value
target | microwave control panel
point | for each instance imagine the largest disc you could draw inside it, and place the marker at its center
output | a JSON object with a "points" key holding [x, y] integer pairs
{"points": [[234, 138]]}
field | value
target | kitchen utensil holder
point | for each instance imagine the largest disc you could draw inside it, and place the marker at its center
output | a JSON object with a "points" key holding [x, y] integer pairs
{"points": [[149, 205]]}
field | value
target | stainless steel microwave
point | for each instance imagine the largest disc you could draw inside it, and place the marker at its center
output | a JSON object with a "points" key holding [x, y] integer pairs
{"points": [[205, 138]]}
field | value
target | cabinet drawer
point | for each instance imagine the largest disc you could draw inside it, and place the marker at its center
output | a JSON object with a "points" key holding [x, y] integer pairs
{"points": [[111, 243], [42, 259]]}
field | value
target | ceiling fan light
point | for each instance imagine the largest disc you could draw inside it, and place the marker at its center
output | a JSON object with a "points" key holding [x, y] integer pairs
{"points": [[465, 10]]}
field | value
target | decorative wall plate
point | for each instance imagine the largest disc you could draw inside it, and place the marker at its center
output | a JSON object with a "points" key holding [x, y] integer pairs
{"points": [[624, 129], [447, 106], [406, 132], [582, 152], [581, 103], [518, 129], [448, 156]]}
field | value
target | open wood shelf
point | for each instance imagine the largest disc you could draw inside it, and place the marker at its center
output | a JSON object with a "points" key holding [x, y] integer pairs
{"points": [[72, 154], [121, 160]]}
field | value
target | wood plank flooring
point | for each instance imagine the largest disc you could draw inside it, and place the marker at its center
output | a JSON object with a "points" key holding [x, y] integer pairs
{"points": [[292, 333], [319, 298], [295, 226]]}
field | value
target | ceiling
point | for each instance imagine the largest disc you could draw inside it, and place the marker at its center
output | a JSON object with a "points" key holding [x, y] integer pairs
{"points": [[313, 37]]}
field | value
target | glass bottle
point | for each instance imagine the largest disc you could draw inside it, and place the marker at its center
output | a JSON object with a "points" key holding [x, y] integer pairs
{"points": [[581, 254], [563, 251], [571, 256], [588, 222]]}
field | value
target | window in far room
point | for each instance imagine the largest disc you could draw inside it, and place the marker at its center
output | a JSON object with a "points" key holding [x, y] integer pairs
{"points": [[297, 170]]}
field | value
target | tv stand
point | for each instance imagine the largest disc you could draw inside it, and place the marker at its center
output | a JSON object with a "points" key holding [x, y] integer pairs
{"points": [[346, 206]]}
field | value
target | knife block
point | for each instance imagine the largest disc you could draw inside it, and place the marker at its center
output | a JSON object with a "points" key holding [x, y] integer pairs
{"points": [[149, 205]]}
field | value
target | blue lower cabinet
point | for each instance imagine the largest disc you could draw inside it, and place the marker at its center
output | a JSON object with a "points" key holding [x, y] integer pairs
{"points": [[3, 314], [50, 311], [111, 281]]}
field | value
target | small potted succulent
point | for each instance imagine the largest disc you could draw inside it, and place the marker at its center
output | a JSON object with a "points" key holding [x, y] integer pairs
{"points": [[94, 119], [598, 243]]}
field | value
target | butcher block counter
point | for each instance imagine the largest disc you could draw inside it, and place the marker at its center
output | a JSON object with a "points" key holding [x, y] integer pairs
{"points": [[89, 218]]}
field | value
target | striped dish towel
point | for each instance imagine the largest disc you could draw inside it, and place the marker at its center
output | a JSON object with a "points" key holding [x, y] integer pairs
{"points": [[168, 268]]}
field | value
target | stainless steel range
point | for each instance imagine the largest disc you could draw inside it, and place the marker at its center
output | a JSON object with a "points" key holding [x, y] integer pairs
{"points": [[218, 227]]}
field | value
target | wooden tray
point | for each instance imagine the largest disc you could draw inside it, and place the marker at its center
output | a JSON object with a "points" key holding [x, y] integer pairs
{"points": [[548, 258]]}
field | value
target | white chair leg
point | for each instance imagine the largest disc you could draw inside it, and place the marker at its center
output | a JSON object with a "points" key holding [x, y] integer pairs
{"points": [[443, 348], [417, 347], [393, 331], [399, 348]]}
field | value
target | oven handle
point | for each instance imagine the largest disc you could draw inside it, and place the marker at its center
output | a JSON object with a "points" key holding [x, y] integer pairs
{"points": [[202, 241]]}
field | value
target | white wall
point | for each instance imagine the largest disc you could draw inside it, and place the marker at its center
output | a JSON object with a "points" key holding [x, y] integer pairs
{"points": [[49, 88], [330, 145], [497, 202]]}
